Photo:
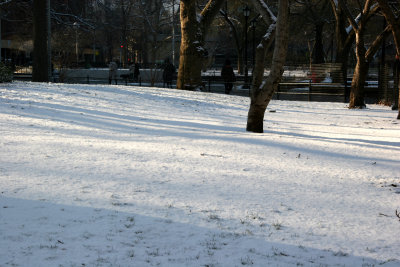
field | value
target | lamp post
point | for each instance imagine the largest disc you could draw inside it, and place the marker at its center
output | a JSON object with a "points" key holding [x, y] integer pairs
{"points": [[76, 26], [246, 13]]}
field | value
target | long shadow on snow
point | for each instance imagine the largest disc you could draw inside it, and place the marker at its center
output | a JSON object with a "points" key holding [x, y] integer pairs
{"points": [[112, 122], [41, 233]]}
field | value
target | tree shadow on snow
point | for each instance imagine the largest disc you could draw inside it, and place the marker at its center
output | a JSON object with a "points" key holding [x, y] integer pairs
{"points": [[42, 233]]}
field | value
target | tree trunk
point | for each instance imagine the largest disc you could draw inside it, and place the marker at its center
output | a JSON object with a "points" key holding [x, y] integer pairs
{"points": [[255, 119], [263, 47], [344, 42], [394, 22], [357, 85], [40, 44], [192, 51], [360, 73], [262, 95], [398, 115], [318, 52], [364, 56], [261, 52], [398, 104], [191, 57]]}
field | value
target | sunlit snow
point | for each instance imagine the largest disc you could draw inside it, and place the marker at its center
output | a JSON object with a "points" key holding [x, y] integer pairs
{"points": [[94, 175]]}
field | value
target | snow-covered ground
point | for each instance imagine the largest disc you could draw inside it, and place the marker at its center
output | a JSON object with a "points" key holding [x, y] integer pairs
{"points": [[94, 175]]}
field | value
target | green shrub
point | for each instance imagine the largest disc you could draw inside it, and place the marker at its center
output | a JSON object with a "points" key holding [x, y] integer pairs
{"points": [[6, 74]]}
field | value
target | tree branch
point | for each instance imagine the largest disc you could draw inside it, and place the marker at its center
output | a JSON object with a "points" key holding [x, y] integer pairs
{"points": [[210, 11], [350, 18], [264, 11], [377, 42]]}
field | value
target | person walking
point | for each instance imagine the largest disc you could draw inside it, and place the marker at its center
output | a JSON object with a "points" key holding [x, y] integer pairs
{"points": [[112, 72], [136, 73], [168, 73], [228, 76]]}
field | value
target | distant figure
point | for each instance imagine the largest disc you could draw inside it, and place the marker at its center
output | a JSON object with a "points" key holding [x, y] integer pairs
{"points": [[396, 78], [112, 73], [168, 73], [136, 73], [228, 75], [131, 71]]}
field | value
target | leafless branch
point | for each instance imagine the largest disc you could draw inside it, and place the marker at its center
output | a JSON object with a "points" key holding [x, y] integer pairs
{"points": [[3, 2]]}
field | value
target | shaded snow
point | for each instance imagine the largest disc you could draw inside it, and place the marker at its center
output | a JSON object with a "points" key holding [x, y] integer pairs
{"points": [[95, 175]]}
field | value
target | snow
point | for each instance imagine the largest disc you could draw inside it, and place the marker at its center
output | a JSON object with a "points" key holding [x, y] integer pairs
{"points": [[94, 175]]}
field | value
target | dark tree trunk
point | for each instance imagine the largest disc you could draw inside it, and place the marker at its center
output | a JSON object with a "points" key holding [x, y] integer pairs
{"points": [[255, 119], [360, 73], [363, 55], [318, 52], [344, 42], [357, 85], [394, 23], [262, 95], [40, 71], [398, 103], [192, 51]]}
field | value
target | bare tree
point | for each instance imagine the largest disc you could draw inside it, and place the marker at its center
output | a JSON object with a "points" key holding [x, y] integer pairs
{"points": [[364, 55], [314, 12], [262, 91], [394, 22], [194, 27], [344, 37]]}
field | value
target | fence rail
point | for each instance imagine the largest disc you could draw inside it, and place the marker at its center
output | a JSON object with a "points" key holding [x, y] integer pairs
{"points": [[332, 92], [300, 91]]}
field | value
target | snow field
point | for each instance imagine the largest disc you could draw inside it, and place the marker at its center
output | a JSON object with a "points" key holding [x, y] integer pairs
{"points": [[126, 176]]}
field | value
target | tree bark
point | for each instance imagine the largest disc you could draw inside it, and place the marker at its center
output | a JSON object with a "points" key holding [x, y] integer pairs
{"points": [[357, 85], [40, 44], [394, 23], [263, 47], [344, 42], [363, 55], [318, 54], [262, 95], [192, 52], [360, 74]]}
